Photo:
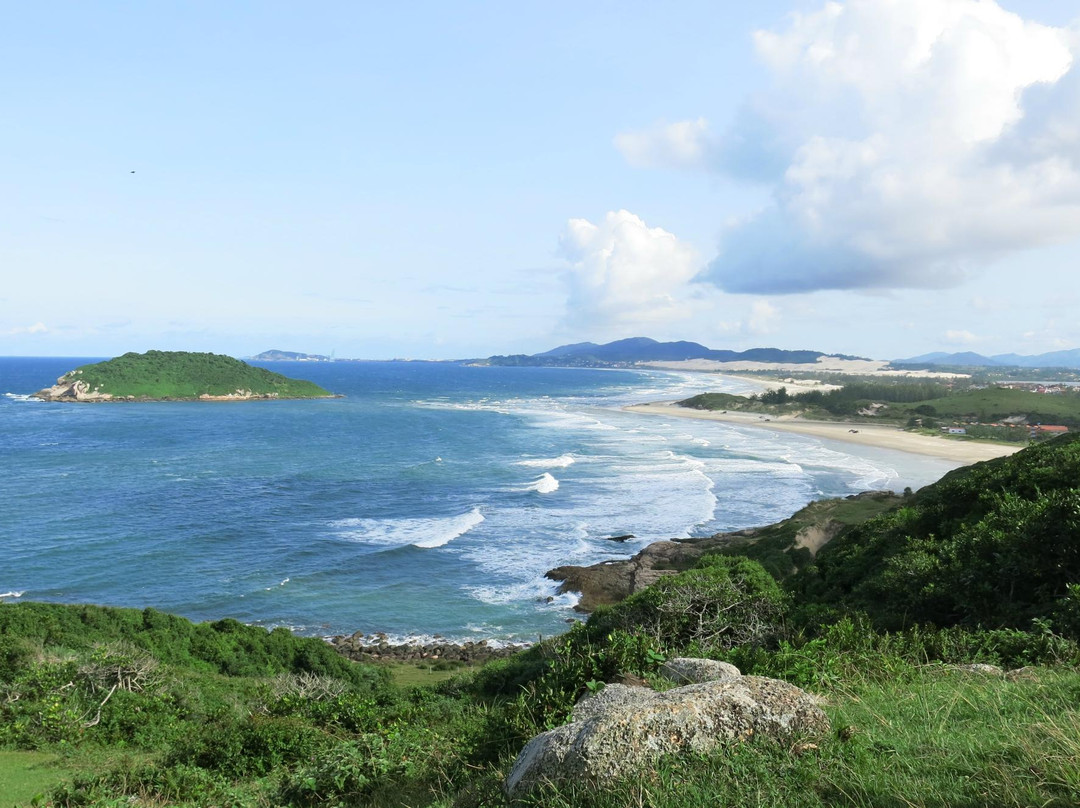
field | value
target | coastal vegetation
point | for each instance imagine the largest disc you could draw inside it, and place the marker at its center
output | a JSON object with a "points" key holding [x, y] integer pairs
{"points": [[930, 405], [175, 375], [143, 708]]}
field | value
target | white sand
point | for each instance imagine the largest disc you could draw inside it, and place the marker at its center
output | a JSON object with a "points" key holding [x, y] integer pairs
{"points": [[877, 435]]}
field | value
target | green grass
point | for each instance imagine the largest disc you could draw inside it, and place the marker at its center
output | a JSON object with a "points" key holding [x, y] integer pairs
{"points": [[183, 375], [422, 674], [26, 775], [994, 403], [904, 734]]}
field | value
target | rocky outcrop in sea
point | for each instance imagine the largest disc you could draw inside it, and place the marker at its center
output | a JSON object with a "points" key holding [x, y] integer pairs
{"points": [[611, 581]]}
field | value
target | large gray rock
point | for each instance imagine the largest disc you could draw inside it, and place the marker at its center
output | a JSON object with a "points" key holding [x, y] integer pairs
{"points": [[688, 670], [624, 729]]}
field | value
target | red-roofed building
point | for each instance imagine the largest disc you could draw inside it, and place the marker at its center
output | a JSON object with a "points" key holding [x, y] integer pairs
{"points": [[1047, 429]]}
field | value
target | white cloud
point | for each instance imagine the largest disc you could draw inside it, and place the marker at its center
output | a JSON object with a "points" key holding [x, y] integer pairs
{"points": [[907, 143], [623, 273], [684, 144], [961, 338], [36, 328]]}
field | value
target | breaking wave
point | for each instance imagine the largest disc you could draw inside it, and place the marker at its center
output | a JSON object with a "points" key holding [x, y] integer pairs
{"points": [[544, 484], [427, 533], [560, 462]]}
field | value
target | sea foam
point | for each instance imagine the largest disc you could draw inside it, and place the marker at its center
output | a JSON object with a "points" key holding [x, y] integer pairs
{"points": [[544, 484], [427, 533], [560, 462]]}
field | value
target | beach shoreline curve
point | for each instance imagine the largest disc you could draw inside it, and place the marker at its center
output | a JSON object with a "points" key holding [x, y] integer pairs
{"points": [[880, 436]]}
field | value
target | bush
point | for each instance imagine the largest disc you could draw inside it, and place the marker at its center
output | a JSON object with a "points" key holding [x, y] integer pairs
{"points": [[725, 601], [254, 746]]}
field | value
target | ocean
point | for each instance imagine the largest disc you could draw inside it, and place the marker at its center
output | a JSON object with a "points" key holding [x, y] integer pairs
{"points": [[429, 500]]}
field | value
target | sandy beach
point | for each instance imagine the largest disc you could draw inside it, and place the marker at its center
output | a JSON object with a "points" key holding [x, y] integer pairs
{"points": [[878, 435]]}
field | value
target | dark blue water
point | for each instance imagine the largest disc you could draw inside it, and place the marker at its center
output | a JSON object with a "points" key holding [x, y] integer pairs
{"points": [[430, 499]]}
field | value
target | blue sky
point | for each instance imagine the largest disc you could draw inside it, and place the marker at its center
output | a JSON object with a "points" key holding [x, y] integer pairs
{"points": [[447, 180]]}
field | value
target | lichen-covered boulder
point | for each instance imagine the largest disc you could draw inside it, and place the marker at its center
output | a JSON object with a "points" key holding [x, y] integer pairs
{"points": [[978, 667], [622, 729], [688, 671]]}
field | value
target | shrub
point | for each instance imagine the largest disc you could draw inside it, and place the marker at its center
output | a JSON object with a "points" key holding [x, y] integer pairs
{"points": [[725, 601]]}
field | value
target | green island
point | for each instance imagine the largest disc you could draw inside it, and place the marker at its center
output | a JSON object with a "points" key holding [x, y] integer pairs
{"points": [[176, 376], [938, 631], [1021, 412]]}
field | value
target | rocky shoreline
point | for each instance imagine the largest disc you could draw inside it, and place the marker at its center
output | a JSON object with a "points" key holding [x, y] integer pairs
{"points": [[612, 581], [67, 390], [376, 647], [609, 582]]}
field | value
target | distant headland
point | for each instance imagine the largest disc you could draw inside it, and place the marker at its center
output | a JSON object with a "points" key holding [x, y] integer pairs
{"points": [[176, 376], [275, 355]]}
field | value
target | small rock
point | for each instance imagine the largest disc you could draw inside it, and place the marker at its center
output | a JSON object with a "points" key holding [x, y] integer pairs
{"points": [[1027, 673]]}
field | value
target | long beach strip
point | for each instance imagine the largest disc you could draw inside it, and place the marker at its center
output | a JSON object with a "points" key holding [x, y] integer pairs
{"points": [[877, 435]]}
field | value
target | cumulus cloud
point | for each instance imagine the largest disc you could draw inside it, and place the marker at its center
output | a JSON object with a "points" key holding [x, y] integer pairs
{"points": [[907, 145], [623, 272]]}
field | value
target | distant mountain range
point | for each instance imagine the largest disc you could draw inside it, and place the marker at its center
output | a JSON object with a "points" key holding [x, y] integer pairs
{"points": [[643, 349], [1053, 359]]}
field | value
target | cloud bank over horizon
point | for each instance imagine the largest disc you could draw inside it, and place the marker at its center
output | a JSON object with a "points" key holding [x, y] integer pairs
{"points": [[906, 145]]}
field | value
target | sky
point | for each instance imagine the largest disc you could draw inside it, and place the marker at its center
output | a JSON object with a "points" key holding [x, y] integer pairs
{"points": [[439, 180]]}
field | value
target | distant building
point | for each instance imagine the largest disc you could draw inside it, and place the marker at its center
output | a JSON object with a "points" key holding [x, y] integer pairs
{"points": [[1047, 429]]}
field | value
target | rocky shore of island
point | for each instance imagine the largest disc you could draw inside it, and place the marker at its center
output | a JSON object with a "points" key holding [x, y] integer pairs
{"points": [[68, 389]]}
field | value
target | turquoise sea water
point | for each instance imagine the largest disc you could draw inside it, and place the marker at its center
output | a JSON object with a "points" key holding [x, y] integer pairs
{"points": [[430, 499]]}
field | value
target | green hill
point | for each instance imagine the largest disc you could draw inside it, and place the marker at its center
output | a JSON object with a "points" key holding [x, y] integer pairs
{"points": [[995, 545], [996, 403], [176, 375]]}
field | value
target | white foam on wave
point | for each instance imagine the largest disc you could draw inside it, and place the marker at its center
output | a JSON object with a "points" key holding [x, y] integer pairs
{"points": [[12, 594], [427, 533], [537, 590], [560, 462], [374, 638], [544, 484], [20, 397]]}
